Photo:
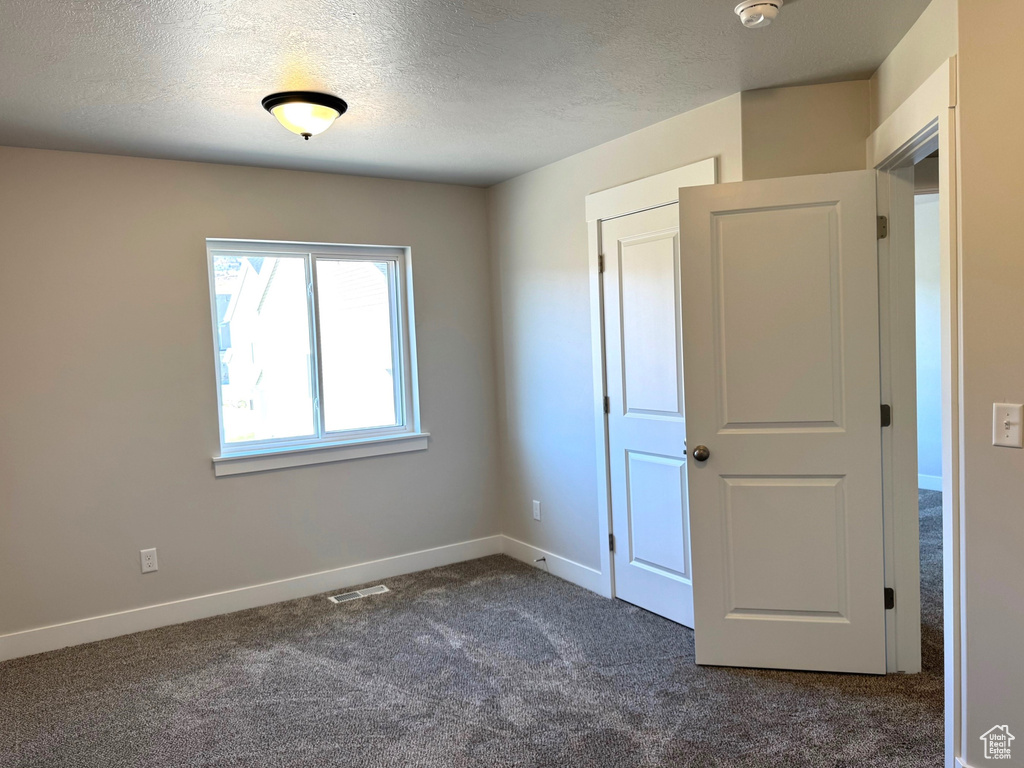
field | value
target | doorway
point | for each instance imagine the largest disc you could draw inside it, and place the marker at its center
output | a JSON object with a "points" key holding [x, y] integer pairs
{"points": [[928, 335]]}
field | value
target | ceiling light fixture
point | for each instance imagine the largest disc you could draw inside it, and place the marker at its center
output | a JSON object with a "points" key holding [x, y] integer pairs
{"points": [[757, 13], [306, 113]]}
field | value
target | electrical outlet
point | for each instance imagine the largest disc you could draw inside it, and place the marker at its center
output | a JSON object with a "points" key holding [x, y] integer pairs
{"points": [[148, 560], [536, 510]]}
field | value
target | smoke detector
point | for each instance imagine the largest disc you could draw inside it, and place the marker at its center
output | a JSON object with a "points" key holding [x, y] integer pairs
{"points": [[757, 13]]}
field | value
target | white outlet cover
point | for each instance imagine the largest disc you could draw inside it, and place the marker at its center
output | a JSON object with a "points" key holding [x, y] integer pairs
{"points": [[536, 510], [1006, 425], [149, 562]]}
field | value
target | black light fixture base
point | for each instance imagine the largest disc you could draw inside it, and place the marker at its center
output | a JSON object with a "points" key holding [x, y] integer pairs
{"points": [[307, 97]]}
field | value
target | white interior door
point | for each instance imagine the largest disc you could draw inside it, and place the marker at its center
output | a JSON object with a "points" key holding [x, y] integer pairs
{"points": [[646, 425], [781, 347]]}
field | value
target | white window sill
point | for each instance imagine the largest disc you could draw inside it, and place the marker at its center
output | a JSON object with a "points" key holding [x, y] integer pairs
{"points": [[322, 453]]}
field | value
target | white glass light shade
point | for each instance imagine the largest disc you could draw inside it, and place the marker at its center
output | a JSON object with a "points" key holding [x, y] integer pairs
{"points": [[306, 113], [305, 119]]}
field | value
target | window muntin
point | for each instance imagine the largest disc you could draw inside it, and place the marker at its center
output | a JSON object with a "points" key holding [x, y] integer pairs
{"points": [[313, 344]]}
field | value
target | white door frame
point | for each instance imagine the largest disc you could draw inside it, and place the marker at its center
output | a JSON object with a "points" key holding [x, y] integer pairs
{"points": [[898, 353], [644, 194], [924, 122]]}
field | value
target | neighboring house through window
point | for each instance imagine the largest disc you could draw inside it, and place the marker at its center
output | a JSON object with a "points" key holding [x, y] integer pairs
{"points": [[314, 344]]}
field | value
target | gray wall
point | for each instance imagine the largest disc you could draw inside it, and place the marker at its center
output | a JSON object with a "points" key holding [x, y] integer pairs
{"points": [[804, 130], [108, 409], [926, 46], [991, 106]]}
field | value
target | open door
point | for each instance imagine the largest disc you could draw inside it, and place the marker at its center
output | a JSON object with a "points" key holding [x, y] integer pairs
{"points": [[781, 350]]}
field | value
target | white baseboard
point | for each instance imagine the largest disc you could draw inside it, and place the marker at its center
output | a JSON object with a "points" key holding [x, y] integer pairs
{"points": [[51, 638], [929, 482], [42, 639], [563, 568]]}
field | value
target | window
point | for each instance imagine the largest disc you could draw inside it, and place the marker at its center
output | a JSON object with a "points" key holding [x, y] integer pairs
{"points": [[315, 353]]}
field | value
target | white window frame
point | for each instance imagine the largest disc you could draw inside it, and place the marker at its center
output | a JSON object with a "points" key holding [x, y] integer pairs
{"points": [[325, 446]]}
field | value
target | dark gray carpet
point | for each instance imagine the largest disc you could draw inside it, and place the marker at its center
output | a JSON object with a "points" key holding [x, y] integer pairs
{"points": [[486, 663]]}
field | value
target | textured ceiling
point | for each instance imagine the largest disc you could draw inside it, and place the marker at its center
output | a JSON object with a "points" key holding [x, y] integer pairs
{"points": [[470, 91]]}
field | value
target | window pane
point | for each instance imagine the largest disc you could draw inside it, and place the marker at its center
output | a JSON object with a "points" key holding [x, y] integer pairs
{"points": [[266, 386], [355, 342]]}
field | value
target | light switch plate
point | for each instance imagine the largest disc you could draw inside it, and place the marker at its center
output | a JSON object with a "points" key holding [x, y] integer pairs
{"points": [[536, 510], [1006, 425]]}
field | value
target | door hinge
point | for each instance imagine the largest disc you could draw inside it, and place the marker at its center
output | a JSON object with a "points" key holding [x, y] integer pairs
{"points": [[607, 404], [600, 262], [611, 542], [890, 598], [883, 227], [886, 415]]}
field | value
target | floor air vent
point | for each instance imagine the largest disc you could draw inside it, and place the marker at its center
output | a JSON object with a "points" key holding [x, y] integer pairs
{"points": [[378, 590]]}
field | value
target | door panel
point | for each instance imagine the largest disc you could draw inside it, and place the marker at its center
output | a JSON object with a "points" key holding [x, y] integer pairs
{"points": [[780, 341], [656, 496], [790, 529], [646, 426], [651, 345], [781, 352]]}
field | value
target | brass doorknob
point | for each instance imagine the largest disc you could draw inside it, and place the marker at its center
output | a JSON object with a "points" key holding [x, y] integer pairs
{"points": [[701, 453]]}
